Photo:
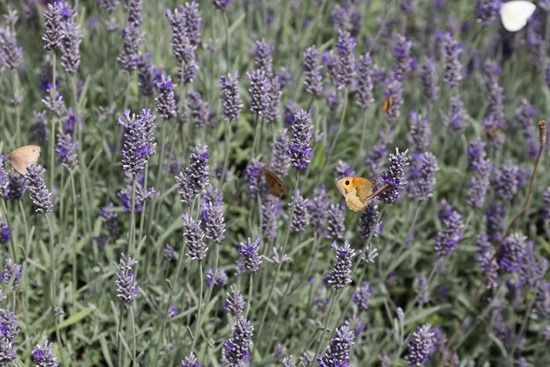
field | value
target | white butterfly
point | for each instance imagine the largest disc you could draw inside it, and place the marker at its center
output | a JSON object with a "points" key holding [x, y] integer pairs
{"points": [[514, 14]]}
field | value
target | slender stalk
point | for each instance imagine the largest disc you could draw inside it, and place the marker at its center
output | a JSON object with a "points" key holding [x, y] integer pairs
{"points": [[341, 124], [277, 271], [118, 333], [226, 30], [52, 124], [199, 310], [75, 226], [53, 278], [256, 134], [134, 339], [327, 319], [227, 140], [132, 235]]}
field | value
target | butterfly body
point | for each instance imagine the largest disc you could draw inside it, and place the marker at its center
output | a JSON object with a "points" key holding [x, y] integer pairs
{"points": [[23, 157], [515, 14]]}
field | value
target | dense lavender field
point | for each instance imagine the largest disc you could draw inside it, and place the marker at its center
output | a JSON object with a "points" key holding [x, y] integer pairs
{"points": [[147, 232]]}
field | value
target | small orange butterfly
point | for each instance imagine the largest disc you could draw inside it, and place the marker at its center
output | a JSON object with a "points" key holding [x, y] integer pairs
{"points": [[358, 191], [387, 104], [275, 186], [23, 157]]}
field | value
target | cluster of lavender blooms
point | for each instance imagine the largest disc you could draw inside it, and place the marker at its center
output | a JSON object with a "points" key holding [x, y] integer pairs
{"points": [[434, 109]]}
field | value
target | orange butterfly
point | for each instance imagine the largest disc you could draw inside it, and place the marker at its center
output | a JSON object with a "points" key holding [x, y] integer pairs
{"points": [[275, 186], [358, 191], [23, 157]]}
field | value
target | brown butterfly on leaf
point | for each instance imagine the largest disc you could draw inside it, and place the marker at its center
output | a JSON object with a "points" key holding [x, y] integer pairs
{"points": [[23, 157], [358, 191], [387, 104], [275, 186]]}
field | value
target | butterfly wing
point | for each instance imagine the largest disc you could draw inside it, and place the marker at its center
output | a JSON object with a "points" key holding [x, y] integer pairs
{"points": [[275, 185], [515, 14], [363, 187], [23, 157]]}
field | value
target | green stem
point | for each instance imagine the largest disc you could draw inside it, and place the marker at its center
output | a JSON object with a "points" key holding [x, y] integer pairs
{"points": [[256, 134], [118, 333], [75, 226], [227, 140], [341, 124], [134, 339], [226, 29], [52, 123], [132, 234], [323, 332], [199, 310], [53, 279]]}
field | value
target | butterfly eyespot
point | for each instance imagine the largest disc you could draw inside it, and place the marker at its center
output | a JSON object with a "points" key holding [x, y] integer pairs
{"points": [[347, 182]]}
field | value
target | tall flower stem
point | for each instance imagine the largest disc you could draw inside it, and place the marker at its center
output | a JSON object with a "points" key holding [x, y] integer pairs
{"points": [[75, 226], [333, 298], [16, 88], [341, 124], [277, 271], [256, 133], [53, 278], [226, 30], [51, 150], [132, 235], [82, 165], [199, 310], [27, 249], [227, 140], [118, 336], [132, 322]]}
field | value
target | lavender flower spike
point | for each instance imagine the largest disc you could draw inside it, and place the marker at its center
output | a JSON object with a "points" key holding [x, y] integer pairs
{"points": [[453, 68], [190, 361], [340, 275], [280, 161], [70, 45], [422, 176], [139, 141], [43, 355], [66, 150], [11, 55], [365, 84], [250, 255], [235, 352], [230, 97], [39, 193], [234, 303], [339, 348], [420, 346], [395, 176], [195, 177], [165, 99], [52, 26], [194, 238], [259, 90], [300, 150], [127, 288], [451, 234], [345, 61], [312, 72], [300, 215]]}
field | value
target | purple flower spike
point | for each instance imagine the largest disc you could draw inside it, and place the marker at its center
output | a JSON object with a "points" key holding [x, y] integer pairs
{"points": [[262, 57], [70, 45], [138, 141], [300, 150], [365, 83], [340, 275], [313, 79], [339, 348], [52, 26], [39, 193], [43, 355], [420, 346], [194, 238], [451, 234], [230, 97], [165, 99], [422, 176], [235, 350], [395, 177], [250, 255], [127, 288]]}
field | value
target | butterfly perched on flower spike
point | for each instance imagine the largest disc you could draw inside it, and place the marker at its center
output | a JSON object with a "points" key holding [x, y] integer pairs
{"points": [[23, 157], [358, 191]]}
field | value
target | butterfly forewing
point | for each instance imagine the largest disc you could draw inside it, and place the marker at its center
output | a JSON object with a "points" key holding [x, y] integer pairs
{"points": [[23, 157]]}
